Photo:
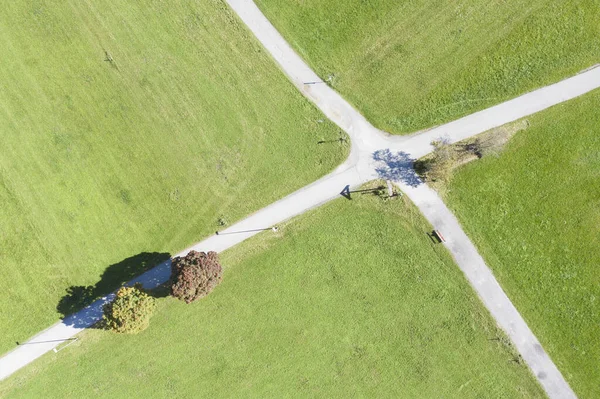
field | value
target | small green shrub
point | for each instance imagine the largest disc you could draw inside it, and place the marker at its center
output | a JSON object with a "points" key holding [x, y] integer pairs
{"points": [[130, 311], [439, 164], [195, 275]]}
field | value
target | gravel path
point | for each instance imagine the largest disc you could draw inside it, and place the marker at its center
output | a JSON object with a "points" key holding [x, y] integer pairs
{"points": [[374, 154]]}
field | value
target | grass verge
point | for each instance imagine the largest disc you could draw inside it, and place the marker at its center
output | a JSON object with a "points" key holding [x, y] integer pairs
{"points": [[350, 299], [130, 131], [410, 65], [534, 213]]}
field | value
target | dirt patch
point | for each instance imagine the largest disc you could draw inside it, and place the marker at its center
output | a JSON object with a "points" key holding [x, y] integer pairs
{"points": [[437, 168], [493, 141]]}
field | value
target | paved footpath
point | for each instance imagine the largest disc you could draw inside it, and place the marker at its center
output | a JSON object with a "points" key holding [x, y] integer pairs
{"points": [[483, 281], [302, 200], [374, 154]]}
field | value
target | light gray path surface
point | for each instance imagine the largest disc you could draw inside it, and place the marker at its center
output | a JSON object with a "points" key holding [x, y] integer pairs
{"points": [[374, 154], [506, 112], [481, 278], [308, 197]]}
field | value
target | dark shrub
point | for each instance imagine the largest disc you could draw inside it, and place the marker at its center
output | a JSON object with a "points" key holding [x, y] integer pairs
{"points": [[130, 311], [195, 275]]}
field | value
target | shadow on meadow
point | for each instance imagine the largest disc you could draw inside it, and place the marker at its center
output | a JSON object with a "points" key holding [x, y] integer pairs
{"points": [[116, 275]]}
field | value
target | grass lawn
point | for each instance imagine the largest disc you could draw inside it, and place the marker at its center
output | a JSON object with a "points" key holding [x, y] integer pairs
{"points": [[409, 65], [132, 127], [352, 299], [534, 213]]}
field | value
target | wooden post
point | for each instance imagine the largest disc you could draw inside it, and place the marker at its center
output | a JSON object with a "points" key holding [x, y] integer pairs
{"points": [[390, 188]]}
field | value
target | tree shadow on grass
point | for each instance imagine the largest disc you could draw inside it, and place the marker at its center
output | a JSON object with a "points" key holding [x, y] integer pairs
{"points": [[116, 275]]}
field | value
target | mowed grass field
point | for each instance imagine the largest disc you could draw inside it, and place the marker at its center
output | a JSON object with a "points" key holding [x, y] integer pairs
{"points": [[128, 128], [352, 299], [534, 212], [410, 65]]}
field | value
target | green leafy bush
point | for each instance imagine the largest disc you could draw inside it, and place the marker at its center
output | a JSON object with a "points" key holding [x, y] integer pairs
{"points": [[438, 165], [130, 311], [195, 275]]}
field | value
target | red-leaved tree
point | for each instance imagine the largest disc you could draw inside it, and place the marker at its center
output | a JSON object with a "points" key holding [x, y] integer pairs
{"points": [[195, 275]]}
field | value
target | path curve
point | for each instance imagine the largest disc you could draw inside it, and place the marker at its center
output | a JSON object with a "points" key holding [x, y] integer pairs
{"points": [[374, 154]]}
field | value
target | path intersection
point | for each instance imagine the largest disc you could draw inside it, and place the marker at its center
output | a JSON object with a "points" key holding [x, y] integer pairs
{"points": [[374, 154]]}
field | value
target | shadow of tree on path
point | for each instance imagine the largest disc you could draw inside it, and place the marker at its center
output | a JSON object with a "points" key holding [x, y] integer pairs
{"points": [[396, 167], [78, 297]]}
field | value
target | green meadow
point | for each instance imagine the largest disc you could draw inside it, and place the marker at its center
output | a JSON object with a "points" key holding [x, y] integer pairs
{"points": [[410, 65], [534, 213], [129, 128], [351, 299]]}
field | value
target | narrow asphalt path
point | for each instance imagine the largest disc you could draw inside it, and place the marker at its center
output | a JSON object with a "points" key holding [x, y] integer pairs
{"points": [[491, 293], [374, 154], [391, 158], [311, 196]]}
